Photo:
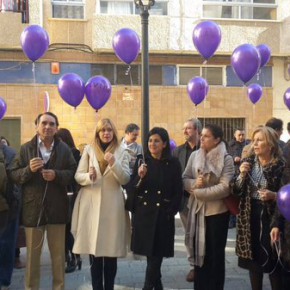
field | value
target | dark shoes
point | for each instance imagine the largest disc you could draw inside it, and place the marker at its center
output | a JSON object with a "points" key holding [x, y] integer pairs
{"points": [[190, 276], [18, 264], [73, 264]]}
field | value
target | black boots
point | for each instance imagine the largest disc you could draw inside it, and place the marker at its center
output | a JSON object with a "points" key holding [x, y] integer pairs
{"points": [[73, 262]]}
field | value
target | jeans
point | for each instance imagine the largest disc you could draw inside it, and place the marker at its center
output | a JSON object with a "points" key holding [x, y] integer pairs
{"points": [[7, 251]]}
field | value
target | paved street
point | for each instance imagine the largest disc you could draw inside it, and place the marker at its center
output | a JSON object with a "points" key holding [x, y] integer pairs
{"points": [[131, 271]]}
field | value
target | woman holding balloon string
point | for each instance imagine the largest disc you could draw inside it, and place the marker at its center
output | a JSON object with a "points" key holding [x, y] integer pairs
{"points": [[156, 188], [207, 178], [100, 224], [260, 177]]}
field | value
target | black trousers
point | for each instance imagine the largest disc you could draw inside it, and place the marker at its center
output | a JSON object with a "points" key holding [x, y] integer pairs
{"points": [[153, 273], [211, 276], [103, 272]]}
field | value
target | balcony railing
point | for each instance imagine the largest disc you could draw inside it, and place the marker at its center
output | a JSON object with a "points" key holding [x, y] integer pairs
{"points": [[17, 6]]}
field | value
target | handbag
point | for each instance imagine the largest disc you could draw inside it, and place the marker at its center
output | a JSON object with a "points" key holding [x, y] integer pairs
{"points": [[232, 202], [131, 192]]}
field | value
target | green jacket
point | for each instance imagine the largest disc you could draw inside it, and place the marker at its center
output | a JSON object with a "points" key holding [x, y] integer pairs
{"points": [[3, 181], [44, 202]]}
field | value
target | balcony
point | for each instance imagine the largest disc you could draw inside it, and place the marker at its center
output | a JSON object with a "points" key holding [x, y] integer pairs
{"points": [[16, 6]]}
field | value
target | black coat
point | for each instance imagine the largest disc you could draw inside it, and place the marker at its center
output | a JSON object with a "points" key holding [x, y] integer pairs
{"points": [[157, 200]]}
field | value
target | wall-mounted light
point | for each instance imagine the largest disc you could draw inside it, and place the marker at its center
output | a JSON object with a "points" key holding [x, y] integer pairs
{"points": [[55, 68]]}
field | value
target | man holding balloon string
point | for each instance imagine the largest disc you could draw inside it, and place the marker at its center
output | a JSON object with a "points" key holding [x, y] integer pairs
{"points": [[44, 168], [191, 131]]}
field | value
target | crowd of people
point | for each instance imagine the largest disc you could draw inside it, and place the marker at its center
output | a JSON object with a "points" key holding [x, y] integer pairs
{"points": [[112, 196]]}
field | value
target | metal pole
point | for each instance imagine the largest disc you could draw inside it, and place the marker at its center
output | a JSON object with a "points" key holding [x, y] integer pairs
{"points": [[145, 75]]}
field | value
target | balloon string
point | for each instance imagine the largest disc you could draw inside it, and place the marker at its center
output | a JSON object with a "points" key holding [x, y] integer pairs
{"points": [[254, 114], [204, 62], [195, 112], [129, 73], [34, 85], [258, 74]]}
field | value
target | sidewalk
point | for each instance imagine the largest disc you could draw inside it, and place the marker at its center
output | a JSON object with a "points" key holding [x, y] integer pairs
{"points": [[131, 272]]}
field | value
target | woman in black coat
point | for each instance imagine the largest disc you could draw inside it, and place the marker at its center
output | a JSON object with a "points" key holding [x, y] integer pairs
{"points": [[72, 261], [157, 195]]}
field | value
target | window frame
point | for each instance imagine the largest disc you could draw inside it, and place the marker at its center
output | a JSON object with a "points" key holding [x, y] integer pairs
{"points": [[228, 125], [201, 69], [78, 3], [240, 5], [135, 10]]}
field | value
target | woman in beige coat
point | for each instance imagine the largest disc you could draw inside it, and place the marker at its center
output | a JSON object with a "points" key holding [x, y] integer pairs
{"points": [[206, 177], [100, 223]]}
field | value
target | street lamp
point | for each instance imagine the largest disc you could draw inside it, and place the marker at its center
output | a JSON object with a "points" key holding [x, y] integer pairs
{"points": [[144, 6]]}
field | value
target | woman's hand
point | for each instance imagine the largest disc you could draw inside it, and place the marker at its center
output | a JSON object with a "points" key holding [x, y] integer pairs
{"points": [[200, 181], [245, 168], [92, 173], [110, 158], [275, 235], [142, 170], [266, 194]]}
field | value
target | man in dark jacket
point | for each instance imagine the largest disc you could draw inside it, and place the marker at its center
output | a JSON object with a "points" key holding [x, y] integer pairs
{"points": [[9, 236], [191, 130], [44, 168], [236, 146], [3, 203]]}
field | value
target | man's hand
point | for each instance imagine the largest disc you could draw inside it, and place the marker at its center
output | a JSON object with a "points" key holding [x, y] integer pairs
{"points": [[48, 174], [36, 164]]}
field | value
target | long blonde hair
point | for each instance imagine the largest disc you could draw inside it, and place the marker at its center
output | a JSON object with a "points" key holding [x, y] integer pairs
{"points": [[104, 123]]}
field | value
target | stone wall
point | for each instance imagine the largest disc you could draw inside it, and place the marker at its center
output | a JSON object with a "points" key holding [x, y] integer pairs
{"points": [[169, 108]]}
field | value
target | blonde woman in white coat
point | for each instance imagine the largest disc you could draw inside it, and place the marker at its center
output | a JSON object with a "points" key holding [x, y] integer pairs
{"points": [[206, 177], [100, 223]]}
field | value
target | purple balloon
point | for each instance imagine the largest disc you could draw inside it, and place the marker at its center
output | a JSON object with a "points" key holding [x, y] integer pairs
{"points": [[287, 98], [255, 93], [126, 44], [34, 41], [283, 201], [197, 89], [246, 62], [71, 88], [265, 54], [3, 108], [98, 91], [172, 144], [206, 38]]}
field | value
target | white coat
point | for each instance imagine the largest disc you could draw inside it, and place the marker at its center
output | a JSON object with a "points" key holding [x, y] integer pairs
{"points": [[100, 224]]}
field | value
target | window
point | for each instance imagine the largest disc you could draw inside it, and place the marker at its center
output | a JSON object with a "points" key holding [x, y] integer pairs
{"points": [[128, 77], [127, 7], [11, 129], [155, 75], [229, 125], [213, 75], [106, 70], [73, 9], [240, 9]]}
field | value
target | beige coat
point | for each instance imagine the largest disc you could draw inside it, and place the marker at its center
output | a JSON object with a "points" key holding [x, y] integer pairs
{"points": [[100, 223]]}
